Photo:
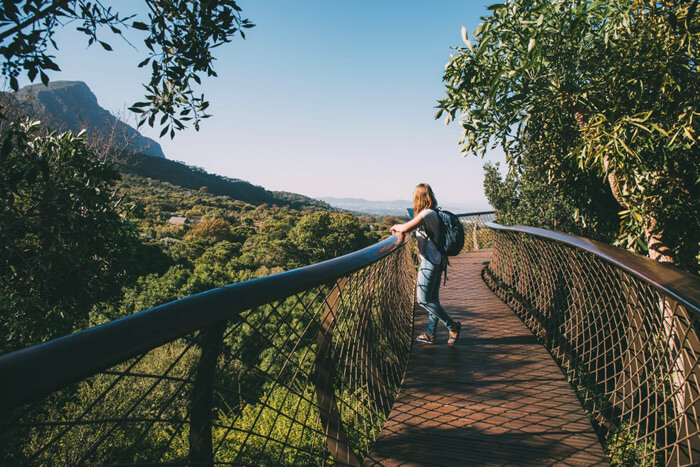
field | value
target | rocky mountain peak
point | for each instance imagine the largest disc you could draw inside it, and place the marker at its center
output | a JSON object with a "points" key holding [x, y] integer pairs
{"points": [[71, 105]]}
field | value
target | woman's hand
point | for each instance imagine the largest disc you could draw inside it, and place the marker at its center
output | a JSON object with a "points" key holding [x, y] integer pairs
{"points": [[397, 229], [401, 229]]}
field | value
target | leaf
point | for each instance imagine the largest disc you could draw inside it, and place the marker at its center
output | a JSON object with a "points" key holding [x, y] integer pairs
{"points": [[531, 44], [49, 65], [139, 25], [659, 129], [688, 133], [465, 37], [105, 46]]}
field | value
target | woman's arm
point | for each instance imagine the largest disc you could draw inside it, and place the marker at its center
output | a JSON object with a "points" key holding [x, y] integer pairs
{"points": [[408, 226]]}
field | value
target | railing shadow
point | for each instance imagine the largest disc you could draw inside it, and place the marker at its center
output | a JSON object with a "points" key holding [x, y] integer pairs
{"points": [[624, 329]]}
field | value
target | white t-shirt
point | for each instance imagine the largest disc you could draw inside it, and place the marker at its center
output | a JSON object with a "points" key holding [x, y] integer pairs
{"points": [[426, 248]]}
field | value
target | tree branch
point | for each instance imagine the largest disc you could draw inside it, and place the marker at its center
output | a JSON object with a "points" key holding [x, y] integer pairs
{"points": [[29, 21], [614, 183]]}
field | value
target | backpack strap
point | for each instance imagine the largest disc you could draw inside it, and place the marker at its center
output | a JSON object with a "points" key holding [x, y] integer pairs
{"points": [[431, 236], [447, 263]]}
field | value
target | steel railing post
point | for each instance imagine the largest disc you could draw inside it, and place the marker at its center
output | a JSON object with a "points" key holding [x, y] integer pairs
{"points": [[201, 405]]}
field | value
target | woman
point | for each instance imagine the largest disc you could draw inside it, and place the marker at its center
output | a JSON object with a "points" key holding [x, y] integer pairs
{"points": [[432, 263]]}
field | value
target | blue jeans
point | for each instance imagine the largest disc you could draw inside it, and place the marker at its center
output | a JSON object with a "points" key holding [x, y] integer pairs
{"points": [[428, 295]]}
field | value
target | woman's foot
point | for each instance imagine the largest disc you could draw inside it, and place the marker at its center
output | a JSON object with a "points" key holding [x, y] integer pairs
{"points": [[426, 338], [454, 332]]}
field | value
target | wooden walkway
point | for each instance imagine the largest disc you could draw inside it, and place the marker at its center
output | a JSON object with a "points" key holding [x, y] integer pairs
{"points": [[494, 398]]}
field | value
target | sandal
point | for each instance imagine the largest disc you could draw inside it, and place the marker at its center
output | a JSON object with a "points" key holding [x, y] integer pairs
{"points": [[454, 332], [426, 338]]}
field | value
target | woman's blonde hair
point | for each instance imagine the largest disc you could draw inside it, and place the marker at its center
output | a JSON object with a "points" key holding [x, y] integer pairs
{"points": [[423, 198]]}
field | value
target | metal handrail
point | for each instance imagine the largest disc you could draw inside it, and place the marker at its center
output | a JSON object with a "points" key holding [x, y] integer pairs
{"points": [[477, 221], [317, 354], [680, 285], [624, 329], [30, 373], [472, 214]]}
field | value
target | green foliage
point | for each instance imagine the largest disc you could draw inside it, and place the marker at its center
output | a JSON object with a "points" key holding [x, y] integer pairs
{"points": [[265, 407], [623, 448], [324, 235], [529, 200], [572, 89], [71, 251], [63, 247], [179, 38], [268, 421], [140, 438], [71, 256], [155, 289], [214, 254], [212, 230]]}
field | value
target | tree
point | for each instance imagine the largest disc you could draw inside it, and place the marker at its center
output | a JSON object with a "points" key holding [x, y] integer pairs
{"points": [[179, 38], [583, 87], [63, 247], [212, 230], [324, 235], [585, 209]]}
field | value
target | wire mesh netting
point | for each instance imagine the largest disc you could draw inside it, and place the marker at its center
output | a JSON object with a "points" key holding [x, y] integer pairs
{"points": [[628, 349], [306, 380], [476, 235]]}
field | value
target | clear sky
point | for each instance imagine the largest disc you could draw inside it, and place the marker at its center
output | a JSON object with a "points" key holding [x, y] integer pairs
{"points": [[323, 98]]}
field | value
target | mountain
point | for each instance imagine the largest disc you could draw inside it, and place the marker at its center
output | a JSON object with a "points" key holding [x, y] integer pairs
{"points": [[71, 105]]}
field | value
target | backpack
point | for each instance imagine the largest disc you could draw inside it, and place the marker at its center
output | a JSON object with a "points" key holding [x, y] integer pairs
{"points": [[450, 239]]}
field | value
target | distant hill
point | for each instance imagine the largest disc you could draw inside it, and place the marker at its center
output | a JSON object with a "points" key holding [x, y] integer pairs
{"points": [[376, 208], [195, 178], [390, 208], [71, 105]]}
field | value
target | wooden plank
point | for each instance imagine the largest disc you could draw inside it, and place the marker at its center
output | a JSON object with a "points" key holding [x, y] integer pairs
{"points": [[494, 398]]}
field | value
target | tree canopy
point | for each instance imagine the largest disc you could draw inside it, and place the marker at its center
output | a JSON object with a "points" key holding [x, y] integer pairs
{"points": [[574, 88], [63, 246], [179, 36]]}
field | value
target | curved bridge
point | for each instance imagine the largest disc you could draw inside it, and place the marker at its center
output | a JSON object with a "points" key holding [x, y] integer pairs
{"points": [[494, 398], [306, 367]]}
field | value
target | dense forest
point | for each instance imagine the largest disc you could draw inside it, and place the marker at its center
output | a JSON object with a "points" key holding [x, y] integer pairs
{"points": [[86, 243], [595, 105]]}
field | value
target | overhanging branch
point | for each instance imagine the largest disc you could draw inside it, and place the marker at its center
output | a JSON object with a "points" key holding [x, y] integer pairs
{"points": [[55, 6]]}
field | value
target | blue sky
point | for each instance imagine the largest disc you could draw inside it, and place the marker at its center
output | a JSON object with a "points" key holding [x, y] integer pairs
{"points": [[323, 98]]}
